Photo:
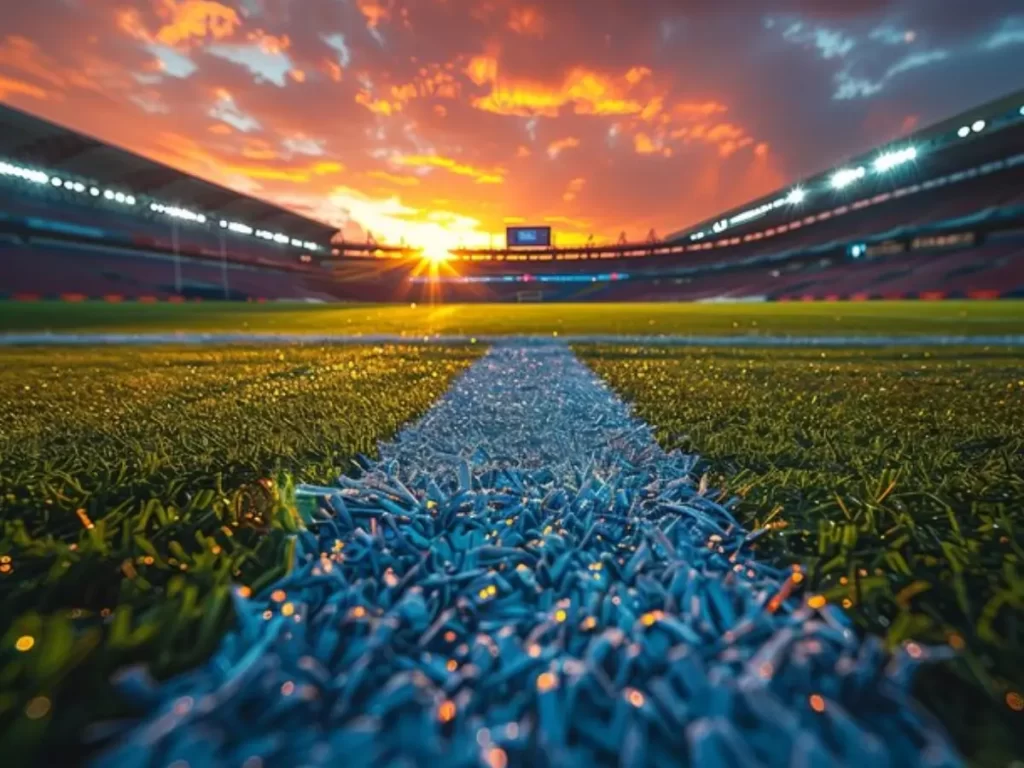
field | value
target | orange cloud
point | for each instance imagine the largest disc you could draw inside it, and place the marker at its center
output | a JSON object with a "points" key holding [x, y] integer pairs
{"points": [[182, 152], [421, 96], [636, 74], [643, 144], [130, 22], [10, 87], [377, 106], [404, 92], [327, 167], [434, 81], [694, 109], [495, 176], [589, 93], [573, 188], [724, 132], [256, 149], [404, 181], [526, 21], [374, 12], [333, 69], [270, 43], [555, 148], [482, 69], [727, 137], [298, 175], [184, 22], [21, 55]]}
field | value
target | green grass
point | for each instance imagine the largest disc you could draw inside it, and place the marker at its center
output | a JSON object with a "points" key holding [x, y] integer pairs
{"points": [[903, 317], [896, 478], [137, 486]]}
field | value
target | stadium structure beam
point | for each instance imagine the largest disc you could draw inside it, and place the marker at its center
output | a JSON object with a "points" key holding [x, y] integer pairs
{"points": [[149, 181], [54, 151]]}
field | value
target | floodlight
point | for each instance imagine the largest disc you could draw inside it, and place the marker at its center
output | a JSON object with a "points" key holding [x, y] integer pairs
{"points": [[796, 196], [978, 126], [847, 176], [890, 160]]}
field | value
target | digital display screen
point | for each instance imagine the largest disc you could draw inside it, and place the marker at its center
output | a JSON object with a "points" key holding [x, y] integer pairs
{"points": [[518, 237]]}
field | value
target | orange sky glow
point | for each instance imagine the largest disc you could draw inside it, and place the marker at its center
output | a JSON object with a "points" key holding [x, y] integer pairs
{"points": [[443, 121]]}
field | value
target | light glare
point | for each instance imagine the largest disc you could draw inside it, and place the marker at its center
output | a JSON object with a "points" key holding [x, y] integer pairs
{"points": [[847, 176], [890, 160]]}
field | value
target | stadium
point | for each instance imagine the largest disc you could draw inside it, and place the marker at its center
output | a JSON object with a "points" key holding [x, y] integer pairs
{"points": [[936, 215], [275, 491]]}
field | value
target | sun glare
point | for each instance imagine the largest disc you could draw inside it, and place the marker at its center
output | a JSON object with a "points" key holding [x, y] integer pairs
{"points": [[435, 253], [437, 243]]}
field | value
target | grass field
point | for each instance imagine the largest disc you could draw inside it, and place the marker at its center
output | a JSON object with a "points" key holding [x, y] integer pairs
{"points": [[895, 478], [822, 319], [135, 488]]}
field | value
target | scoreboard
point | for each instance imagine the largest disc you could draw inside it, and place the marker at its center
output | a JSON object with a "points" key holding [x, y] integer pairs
{"points": [[520, 237]]}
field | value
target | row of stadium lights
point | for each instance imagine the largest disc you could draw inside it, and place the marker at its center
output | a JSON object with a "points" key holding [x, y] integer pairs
{"points": [[175, 212], [232, 226], [839, 180]]}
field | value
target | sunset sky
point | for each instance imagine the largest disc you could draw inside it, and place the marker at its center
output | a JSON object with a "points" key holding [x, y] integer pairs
{"points": [[444, 120]]}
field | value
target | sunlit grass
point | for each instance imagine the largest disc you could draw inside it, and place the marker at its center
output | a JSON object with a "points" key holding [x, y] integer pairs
{"points": [[137, 487], [820, 318], [895, 478]]}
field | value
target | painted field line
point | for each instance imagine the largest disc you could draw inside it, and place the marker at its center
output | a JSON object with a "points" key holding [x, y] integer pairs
{"points": [[527, 578]]}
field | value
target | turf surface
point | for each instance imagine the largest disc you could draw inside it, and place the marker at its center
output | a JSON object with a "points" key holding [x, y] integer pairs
{"points": [[800, 319], [136, 487], [895, 477], [526, 579]]}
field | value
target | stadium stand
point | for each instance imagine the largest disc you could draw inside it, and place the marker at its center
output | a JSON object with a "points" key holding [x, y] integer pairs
{"points": [[79, 218], [939, 213]]}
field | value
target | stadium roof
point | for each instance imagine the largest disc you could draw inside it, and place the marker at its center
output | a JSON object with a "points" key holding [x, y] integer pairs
{"points": [[34, 141], [947, 143]]}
